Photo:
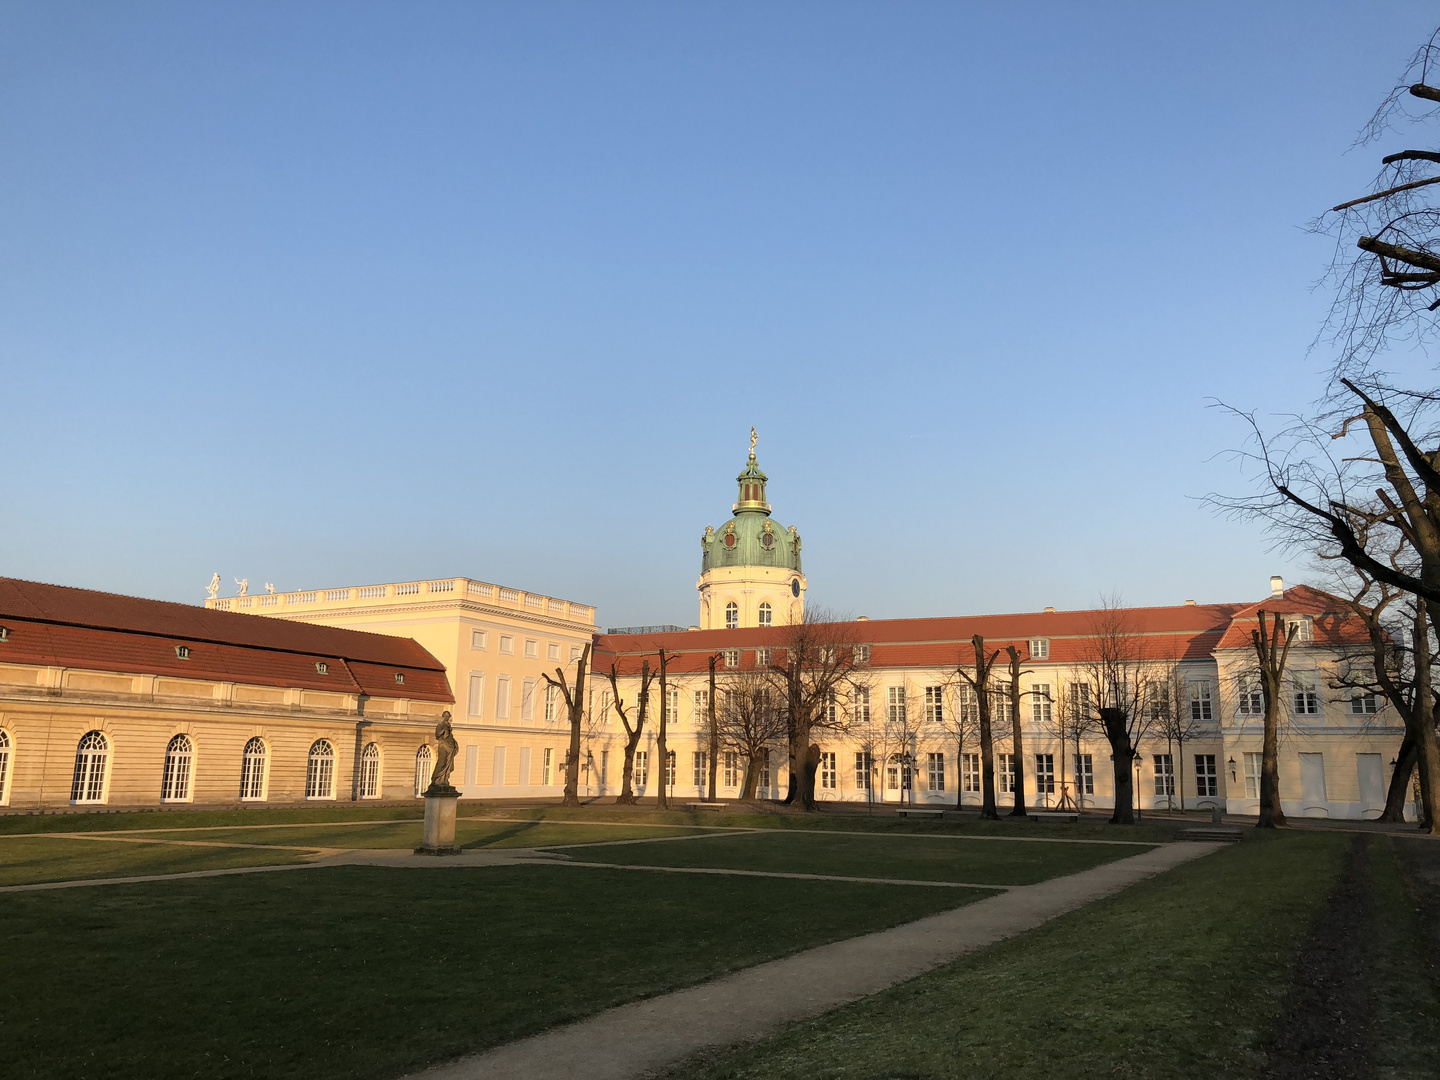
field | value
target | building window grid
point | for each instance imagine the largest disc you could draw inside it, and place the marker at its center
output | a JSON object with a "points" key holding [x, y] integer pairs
{"points": [[671, 773], [1304, 697], [895, 705], [1249, 697], [1039, 648], [252, 771], [1041, 706], [1085, 774], [1253, 766], [1207, 778], [860, 704], [1005, 772], [766, 614], [935, 770], [1164, 775], [1364, 703], [4, 765], [370, 772], [732, 658], [1200, 708], [320, 771], [552, 703], [829, 773], [732, 769], [1045, 774], [702, 774], [934, 704], [970, 773], [547, 762], [732, 616], [864, 770], [641, 774], [92, 756], [424, 767], [179, 763]]}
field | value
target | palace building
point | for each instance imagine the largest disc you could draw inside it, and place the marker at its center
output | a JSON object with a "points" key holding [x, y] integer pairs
{"points": [[334, 694]]}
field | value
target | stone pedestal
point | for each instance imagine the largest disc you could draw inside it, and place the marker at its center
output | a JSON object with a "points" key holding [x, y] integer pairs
{"points": [[439, 822]]}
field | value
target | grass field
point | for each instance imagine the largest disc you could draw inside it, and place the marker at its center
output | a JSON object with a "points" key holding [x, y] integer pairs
{"points": [[371, 972], [25, 860], [1179, 977], [919, 858]]}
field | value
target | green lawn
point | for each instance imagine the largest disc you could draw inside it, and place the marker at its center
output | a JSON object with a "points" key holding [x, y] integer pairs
{"points": [[373, 972], [28, 859], [187, 819], [920, 858], [1178, 977], [407, 834]]}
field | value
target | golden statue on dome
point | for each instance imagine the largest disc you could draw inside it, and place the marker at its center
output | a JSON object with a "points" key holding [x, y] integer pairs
{"points": [[753, 440]]}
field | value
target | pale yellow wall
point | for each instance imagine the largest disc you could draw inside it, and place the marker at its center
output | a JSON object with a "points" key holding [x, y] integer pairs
{"points": [[749, 587]]}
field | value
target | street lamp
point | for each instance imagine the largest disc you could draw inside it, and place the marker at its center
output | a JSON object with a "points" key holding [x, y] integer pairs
{"points": [[1231, 763]]}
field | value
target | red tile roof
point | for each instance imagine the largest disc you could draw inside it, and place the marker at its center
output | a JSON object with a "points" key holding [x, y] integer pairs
{"points": [[58, 626]]}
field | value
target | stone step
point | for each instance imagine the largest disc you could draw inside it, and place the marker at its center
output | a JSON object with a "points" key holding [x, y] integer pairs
{"points": [[1222, 833]]}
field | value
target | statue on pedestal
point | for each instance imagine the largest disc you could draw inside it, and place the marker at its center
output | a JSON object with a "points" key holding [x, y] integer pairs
{"points": [[445, 750]]}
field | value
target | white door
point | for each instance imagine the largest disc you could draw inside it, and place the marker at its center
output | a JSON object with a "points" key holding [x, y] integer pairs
{"points": [[1312, 786], [1372, 783]]}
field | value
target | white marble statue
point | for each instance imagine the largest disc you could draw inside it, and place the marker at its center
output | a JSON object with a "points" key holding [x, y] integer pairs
{"points": [[244, 584], [214, 587]]}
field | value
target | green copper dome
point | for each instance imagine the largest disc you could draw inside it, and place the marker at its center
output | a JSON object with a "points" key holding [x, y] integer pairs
{"points": [[750, 538]]}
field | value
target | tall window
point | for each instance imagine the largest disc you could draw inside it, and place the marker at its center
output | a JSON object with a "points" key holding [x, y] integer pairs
{"points": [[475, 705], [1045, 774], [4, 765], [732, 769], [1304, 697], [1207, 781], [425, 768], [370, 772], [672, 705], [970, 772], [934, 704], [1000, 710], [1041, 707], [642, 768], [1005, 771], [829, 774], [732, 616], [552, 703], [1363, 704], [502, 698], [1164, 775], [765, 613], [969, 707], [702, 707], [320, 771], [1200, 700], [527, 700], [860, 704], [1085, 774], [547, 764], [1252, 775], [765, 770], [669, 768], [864, 769], [1249, 697], [895, 705], [252, 771], [831, 708], [91, 757], [935, 768], [702, 775], [179, 762]]}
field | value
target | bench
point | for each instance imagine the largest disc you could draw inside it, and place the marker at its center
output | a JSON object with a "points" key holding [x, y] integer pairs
{"points": [[919, 811], [717, 806], [1054, 815]]}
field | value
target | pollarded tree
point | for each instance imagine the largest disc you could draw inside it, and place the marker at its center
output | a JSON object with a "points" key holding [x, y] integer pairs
{"points": [[978, 679], [814, 663], [1017, 738], [1272, 650], [632, 735], [575, 706], [662, 749]]}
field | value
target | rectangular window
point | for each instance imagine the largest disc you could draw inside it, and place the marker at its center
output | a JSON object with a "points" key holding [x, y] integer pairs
{"points": [[1042, 709], [1200, 700], [1164, 775], [831, 709], [1039, 648], [1252, 775], [642, 768], [934, 705], [1304, 696], [1080, 707], [970, 772], [472, 768], [477, 639], [702, 708], [895, 708], [1045, 774], [507, 644], [532, 649], [764, 771], [935, 771], [574, 653], [547, 761], [1005, 772], [552, 651], [969, 708], [860, 704], [732, 769], [604, 768], [732, 658], [762, 658], [1085, 774], [502, 698], [1249, 697], [605, 713], [475, 704], [527, 700], [862, 654], [1207, 780], [552, 703], [892, 777], [829, 774], [864, 769], [1305, 628], [1363, 703], [669, 768], [1000, 710], [702, 775], [672, 705]]}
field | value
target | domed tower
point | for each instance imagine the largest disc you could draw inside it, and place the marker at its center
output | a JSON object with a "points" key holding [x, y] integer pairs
{"points": [[750, 568]]}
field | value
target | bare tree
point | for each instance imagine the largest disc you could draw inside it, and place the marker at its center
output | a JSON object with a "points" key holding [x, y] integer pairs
{"points": [[632, 735], [960, 722], [978, 679], [1173, 719], [713, 750], [816, 658], [1017, 739], [750, 723], [662, 752], [1272, 653], [575, 704]]}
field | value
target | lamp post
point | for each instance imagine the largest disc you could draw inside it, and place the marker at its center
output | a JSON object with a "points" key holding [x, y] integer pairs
{"points": [[1139, 811]]}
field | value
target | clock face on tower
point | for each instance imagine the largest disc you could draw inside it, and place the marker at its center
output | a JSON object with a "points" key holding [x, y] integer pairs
{"points": [[795, 586]]}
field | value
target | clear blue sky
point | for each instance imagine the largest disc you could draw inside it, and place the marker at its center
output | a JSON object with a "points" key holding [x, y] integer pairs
{"points": [[328, 294]]}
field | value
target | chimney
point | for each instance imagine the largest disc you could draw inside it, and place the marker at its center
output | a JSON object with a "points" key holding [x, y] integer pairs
{"points": [[1189, 603], [862, 618], [1277, 587], [1049, 611]]}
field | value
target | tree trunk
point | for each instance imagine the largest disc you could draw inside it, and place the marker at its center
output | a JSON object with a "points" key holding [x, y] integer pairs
{"points": [[1122, 757], [988, 812], [812, 766], [752, 778], [632, 738], [1399, 791], [714, 734], [1429, 749], [577, 717], [1180, 770], [662, 797], [1272, 681], [1017, 739]]}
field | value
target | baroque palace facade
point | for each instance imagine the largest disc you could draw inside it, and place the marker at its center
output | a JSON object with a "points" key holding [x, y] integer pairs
{"points": [[334, 694]]}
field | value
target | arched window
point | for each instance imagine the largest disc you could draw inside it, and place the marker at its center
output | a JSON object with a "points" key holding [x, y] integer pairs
{"points": [[179, 758], [320, 776], [91, 757], [4, 766], [370, 772], [765, 613], [423, 767], [732, 616], [252, 771]]}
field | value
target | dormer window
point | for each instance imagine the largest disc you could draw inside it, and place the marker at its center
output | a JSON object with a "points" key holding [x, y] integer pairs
{"points": [[862, 654], [1304, 627], [732, 658], [1039, 648], [762, 658], [322, 668], [182, 652], [399, 678]]}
